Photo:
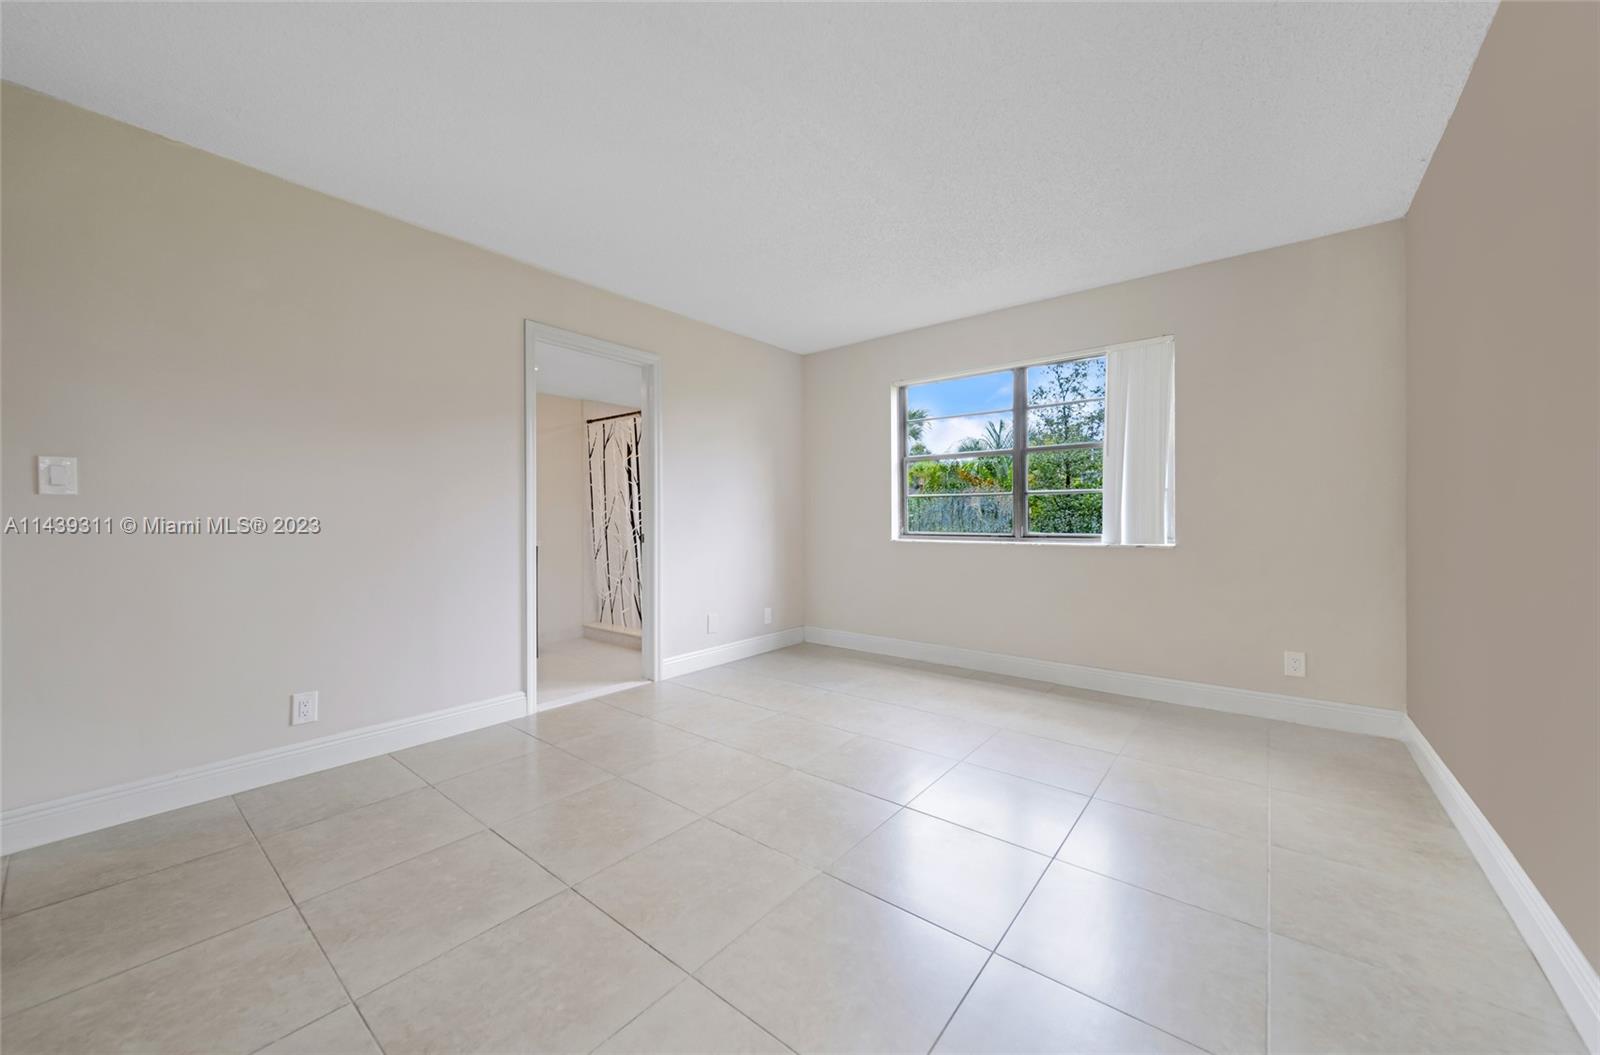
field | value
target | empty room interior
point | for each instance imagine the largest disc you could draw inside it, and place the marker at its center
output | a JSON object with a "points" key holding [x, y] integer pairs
{"points": [[744, 527]]}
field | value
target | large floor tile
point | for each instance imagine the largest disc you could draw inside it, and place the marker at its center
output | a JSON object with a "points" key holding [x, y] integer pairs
{"points": [[1202, 866], [380, 927], [560, 977], [1014, 1010], [1400, 793], [1371, 838], [1088, 723], [710, 715], [806, 817], [706, 777], [88, 862], [696, 890], [692, 1020], [1032, 815], [1053, 762], [1326, 1003], [70, 944], [341, 1033], [937, 734], [1365, 752], [855, 714], [962, 881], [577, 836], [1456, 935], [517, 785], [587, 718], [933, 691], [236, 992], [1237, 754], [328, 854], [842, 672], [837, 970], [1185, 795], [455, 755], [647, 698], [1008, 680], [631, 748], [1193, 973], [785, 739], [316, 796], [772, 693], [1248, 727], [886, 770]]}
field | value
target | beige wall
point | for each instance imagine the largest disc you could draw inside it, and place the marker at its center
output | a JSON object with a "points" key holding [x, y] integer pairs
{"points": [[209, 340], [1289, 491], [1504, 449], [563, 483]]}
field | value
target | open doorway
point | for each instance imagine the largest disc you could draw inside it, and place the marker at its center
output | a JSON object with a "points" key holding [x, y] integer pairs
{"points": [[592, 544]]}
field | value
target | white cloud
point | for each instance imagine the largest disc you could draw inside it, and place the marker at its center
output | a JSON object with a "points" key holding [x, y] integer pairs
{"points": [[945, 434]]}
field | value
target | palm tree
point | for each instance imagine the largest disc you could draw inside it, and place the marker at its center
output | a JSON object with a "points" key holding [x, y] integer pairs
{"points": [[916, 423]]}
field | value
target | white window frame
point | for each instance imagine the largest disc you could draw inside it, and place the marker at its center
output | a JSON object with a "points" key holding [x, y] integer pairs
{"points": [[1019, 452]]}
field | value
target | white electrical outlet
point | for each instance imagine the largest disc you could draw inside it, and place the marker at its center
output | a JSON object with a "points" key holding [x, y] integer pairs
{"points": [[302, 708], [1294, 664], [711, 622], [766, 616]]}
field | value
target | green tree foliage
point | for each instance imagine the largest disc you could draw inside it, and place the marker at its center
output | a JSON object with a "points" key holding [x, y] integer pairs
{"points": [[916, 425]]}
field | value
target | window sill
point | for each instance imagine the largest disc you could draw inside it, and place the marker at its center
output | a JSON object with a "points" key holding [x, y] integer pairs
{"points": [[1074, 542]]}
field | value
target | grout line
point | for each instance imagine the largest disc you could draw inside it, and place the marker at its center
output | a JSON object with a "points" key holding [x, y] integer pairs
{"points": [[121, 882], [1267, 1035], [146, 963], [350, 809], [1014, 917], [313, 1022], [690, 980], [325, 957], [1102, 1003], [199, 941]]}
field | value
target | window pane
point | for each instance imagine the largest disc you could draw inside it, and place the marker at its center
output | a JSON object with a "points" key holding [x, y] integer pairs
{"points": [[1064, 514], [1072, 423], [975, 432], [1064, 382], [961, 395], [963, 514], [1067, 470], [959, 475]]}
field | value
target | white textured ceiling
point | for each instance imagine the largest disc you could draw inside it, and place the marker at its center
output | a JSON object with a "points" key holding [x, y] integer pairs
{"points": [[810, 175]]}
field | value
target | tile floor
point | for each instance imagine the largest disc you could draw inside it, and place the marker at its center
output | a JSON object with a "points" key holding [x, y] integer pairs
{"points": [[579, 669], [812, 850]]}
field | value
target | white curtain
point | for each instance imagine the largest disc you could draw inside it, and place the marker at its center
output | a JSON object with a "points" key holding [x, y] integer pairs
{"points": [[1139, 444]]}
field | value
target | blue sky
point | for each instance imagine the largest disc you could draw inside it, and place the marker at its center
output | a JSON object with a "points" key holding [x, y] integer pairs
{"points": [[984, 392], [967, 396], [964, 394]]}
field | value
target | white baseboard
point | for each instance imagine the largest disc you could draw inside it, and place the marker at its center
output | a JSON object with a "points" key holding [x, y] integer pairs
{"points": [[689, 662], [1570, 973], [45, 822], [1346, 717]]}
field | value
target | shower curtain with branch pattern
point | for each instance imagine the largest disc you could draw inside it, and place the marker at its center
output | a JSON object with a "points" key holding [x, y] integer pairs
{"points": [[616, 523]]}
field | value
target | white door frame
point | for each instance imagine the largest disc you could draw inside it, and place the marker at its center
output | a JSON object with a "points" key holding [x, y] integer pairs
{"points": [[535, 334]]}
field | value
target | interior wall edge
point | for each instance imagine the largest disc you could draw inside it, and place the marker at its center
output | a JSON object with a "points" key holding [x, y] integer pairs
{"points": [[46, 822], [1324, 714], [1571, 975]]}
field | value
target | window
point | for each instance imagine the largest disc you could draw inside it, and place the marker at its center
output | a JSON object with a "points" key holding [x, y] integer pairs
{"points": [[967, 470]]}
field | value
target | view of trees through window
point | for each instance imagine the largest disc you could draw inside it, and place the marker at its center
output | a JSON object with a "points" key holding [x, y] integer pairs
{"points": [[961, 455]]}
